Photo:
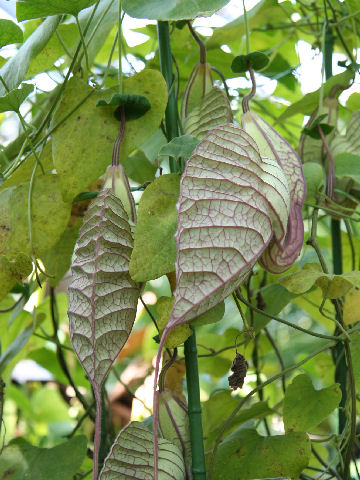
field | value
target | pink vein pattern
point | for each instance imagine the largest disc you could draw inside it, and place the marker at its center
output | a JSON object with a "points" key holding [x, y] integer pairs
{"points": [[102, 295], [281, 254]]}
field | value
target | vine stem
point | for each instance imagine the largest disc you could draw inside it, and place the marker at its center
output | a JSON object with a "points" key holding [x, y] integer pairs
{"points": [[171, 112], [192, 376], [340, 366], [255, 390], [246, 29]]}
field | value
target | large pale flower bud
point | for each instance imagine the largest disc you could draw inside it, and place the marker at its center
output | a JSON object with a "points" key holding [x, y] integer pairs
{"points": [[281, 252], [199, 84]]}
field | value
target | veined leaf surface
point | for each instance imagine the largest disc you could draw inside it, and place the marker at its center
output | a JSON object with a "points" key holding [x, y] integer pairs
{"points": [[102, 295], [231, 204], [214, 111], [132, 456]]}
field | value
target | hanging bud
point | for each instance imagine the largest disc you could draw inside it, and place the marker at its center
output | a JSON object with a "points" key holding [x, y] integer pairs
{"points": [[117, 181], [199, 84], [279, 256]]}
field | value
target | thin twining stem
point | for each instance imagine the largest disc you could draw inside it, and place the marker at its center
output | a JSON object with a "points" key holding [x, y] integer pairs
{"points": [[199, 42], [289, 324], [249, 96], [119, 139], [255, 390]]}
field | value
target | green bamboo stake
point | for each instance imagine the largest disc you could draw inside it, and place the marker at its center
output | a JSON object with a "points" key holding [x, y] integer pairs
{"points": [[190, 351], [341, 367], [194, 408], [171, 112]]}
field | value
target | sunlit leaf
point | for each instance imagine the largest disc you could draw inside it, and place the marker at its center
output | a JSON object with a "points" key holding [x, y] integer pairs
{"points": [[174, 10], [179, 147], [154, 245], [132, 456], [21, 460], [179, 334], [14, 70], [12, 100], [305, 407], [9, 32], [27, 9], [310, 101], [83, 144]]}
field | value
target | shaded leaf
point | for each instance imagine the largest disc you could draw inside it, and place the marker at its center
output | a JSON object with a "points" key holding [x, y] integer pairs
{"points": [[83, 144], [132, 456], [179, 147], [213, 315], [305, 407], [27, 9], [58, 258], [12, 100], [310, 101], [281, 456], [139, 168], [213, 111], [175, 10], [14, 70], [102, 296], [21, 460], [218, 408], [54, 49], [257, 60], [49, 215], [154, 244], [347, 165], [24, 171], [9, 33], [350, 142]]}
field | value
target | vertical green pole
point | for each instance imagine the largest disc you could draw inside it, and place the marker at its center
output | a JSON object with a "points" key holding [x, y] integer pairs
{"points": [[341, 367], [192, 373], [171, 112], [194, 408]]}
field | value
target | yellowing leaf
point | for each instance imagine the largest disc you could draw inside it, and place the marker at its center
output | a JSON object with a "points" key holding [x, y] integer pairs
{"points": [[351, 313], [49, 215], [83, 143], [178, 335], [332, 286]]}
